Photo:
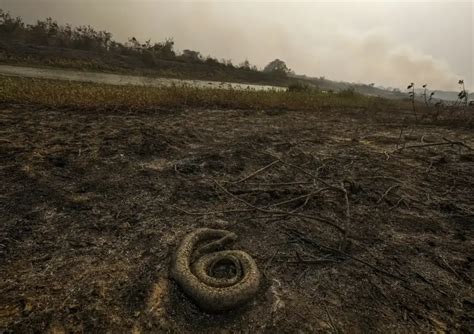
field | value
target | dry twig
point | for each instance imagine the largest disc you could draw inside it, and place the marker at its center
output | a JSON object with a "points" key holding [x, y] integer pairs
{"points": [[446, 142], [387, 192], [313, 243], [256, 172], [348, 214], [307, 196], [281, 212], [205, 213]]}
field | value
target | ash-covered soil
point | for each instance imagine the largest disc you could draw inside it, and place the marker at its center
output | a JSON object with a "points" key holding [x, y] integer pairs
{"points": [[93, 204]]}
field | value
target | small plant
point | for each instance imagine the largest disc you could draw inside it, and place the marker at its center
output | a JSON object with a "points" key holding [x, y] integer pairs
{"points": [[431, 96], [411, 94], [425, 95], [462, 95]]}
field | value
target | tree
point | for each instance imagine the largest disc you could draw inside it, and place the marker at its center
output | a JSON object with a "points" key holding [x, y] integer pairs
{"points": [[192, 56], [277, 66], [245, 65], [227, 62], [164, 50], [10, 25], [211, 61]]}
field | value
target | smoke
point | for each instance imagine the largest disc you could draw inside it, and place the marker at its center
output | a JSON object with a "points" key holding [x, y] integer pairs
{"points": [[341, 41], [336, 53], [324, 44], [379, 58]]}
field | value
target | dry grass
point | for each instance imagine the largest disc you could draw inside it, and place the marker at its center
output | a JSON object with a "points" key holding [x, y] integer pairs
{"points": [[89, 95]]}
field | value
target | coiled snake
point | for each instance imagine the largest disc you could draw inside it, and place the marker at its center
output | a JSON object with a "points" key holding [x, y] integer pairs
{"points": [[193, 266]]}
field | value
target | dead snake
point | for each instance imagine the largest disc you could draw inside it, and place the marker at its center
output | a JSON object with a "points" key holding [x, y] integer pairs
{"points": [[193, 263]]}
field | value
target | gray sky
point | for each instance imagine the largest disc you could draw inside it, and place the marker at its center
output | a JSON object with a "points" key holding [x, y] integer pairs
{"points": [[386, 42]]}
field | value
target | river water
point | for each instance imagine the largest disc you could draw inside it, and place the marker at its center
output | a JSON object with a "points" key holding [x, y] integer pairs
{"points": [[119, 79]]}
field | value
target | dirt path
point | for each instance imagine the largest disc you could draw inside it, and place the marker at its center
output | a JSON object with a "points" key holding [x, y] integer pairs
{"points": [[90, 215]]}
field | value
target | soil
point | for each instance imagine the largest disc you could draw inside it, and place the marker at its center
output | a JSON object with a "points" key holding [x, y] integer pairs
{"points": [[94, 203]]}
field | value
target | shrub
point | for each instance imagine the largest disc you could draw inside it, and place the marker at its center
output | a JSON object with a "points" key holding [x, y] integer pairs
{"points": [[299, 86], [348, 92]]}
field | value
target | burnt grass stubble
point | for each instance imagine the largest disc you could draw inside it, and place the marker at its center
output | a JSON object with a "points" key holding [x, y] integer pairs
{"points": [[94, 203]]}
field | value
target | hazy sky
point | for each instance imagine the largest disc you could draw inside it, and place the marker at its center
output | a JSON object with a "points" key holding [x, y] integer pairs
{"points": [[390, 43]]}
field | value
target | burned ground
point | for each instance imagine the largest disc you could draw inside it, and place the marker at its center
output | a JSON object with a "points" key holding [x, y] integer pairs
{"points": [[94, 202]]}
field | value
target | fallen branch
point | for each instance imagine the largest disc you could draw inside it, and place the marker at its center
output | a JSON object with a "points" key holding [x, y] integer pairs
{"points": [[302, 205], [315, 178], [197, 213], [446, 142], [256, 172], [458, 143], [383, 178], [397, 204], [387, 192], [269, 262], [313, 243], [278, 184], [348, 214], [281, 212], [331, 321], [300, 197]]}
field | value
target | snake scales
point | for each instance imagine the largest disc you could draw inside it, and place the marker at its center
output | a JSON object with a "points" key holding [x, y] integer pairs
{"points": [[193, 264]]}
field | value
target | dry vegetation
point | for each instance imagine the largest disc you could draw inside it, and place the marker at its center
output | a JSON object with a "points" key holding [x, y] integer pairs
{"points": [[89, 95], [48, 43], [360, 219]]}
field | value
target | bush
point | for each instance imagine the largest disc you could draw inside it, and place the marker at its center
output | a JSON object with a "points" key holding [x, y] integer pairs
{"points": [[299, 86], [148, 58], [348, 92]]}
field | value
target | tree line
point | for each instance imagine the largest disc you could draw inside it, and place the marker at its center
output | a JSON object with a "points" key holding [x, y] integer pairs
{"points": [[49, 33]]}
